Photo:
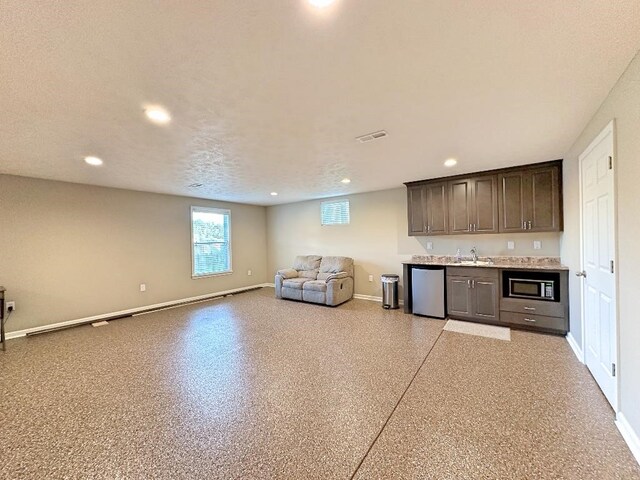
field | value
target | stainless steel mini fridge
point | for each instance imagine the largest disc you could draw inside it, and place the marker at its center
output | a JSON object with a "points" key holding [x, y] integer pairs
{"points": [[427, 290]]}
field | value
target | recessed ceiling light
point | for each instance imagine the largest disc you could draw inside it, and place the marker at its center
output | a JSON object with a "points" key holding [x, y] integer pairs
{"points": [[157, 115], [450, 162], [346, 180], [321, 3], [274, 194], [95, 161]]}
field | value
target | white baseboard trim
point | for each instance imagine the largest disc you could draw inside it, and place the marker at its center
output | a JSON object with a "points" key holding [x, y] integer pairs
{"points": [[372, 298], [359, 296], [574, 346], [629, 435], [130, 311]]}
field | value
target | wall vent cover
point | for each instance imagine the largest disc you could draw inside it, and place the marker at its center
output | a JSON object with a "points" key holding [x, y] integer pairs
{"points": [[369, 137]]}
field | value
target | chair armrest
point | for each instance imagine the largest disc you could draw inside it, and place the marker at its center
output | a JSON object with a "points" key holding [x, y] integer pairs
{"points": [[336, 276], [287, 273]]}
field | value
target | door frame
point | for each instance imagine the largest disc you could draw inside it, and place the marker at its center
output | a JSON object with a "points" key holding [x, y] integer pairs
{"points": [[609, 129]]}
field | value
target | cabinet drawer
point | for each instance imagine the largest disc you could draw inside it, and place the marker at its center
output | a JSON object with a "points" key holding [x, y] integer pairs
{"points": [[534, 321], [532, 307], [473, 272]]}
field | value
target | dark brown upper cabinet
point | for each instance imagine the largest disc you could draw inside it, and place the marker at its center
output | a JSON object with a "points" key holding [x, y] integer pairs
{"points": [[518, 199], [416, 206], [428, 209], [473, 205], [530, 200]]}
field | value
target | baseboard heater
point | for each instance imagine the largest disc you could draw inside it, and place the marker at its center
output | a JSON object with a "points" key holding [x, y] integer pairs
{"points": [[140, 312]]}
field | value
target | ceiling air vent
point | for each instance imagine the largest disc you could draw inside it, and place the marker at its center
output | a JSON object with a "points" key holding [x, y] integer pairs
{"points": [[195, 185], [372, 136]]}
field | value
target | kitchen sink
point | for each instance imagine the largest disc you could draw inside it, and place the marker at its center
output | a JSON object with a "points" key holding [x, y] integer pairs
{"points": [[479, 263]]}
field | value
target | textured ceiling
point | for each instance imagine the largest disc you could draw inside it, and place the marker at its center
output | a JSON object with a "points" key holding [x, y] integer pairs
{"points": [[269, 95]]}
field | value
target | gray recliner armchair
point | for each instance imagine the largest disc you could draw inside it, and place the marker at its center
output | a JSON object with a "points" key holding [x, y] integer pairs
{"points": [[316, 279]]}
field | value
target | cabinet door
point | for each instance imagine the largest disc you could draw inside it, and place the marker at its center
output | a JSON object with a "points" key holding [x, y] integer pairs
{"points": [[437, 212], [485, 298], [544, 200], [416, 206], [484, 218], [459, 296], [511, 201], [460, 206]]}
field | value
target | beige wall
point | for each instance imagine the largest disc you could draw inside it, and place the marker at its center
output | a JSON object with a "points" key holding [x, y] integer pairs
{"points": [[69, 251], [377, 237], [623, 105]]}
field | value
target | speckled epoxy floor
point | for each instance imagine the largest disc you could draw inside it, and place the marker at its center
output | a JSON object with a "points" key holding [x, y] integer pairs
{"points": [[254, 387]]}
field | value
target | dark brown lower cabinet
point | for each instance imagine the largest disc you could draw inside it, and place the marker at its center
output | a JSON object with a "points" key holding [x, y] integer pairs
{"points": [[459, 297], [541, 315], [472, 293]]}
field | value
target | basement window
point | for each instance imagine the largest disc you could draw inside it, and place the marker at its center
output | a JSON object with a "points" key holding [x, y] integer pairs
{"points": [[334, 212], [210, 242]]}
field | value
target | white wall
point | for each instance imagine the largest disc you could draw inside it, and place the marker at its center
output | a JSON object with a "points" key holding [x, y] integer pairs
{"points": [[623, 105], [377, 237], [70, 251]]}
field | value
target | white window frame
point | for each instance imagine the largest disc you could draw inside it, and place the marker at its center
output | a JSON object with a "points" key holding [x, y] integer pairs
{"points": [[221, 211], [342, 200]]}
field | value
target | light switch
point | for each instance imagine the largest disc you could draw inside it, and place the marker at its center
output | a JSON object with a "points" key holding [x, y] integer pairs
{"points": [[511, 245], [371, 278], [429, 245], [143, 287], [537, 244]]}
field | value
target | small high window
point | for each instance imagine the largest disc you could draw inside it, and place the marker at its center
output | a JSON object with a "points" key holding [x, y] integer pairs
{"points": [[334, 212]]}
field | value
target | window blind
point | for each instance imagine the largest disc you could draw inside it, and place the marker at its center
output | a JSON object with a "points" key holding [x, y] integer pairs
{"points": [[210, 241], [334, 212]]}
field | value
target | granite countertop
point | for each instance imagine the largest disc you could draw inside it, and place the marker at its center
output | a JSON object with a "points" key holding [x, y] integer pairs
{"points": [[523, 263]]}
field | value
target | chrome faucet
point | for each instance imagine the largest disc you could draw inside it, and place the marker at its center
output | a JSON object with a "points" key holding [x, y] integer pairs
{"points": [[474, 254]]}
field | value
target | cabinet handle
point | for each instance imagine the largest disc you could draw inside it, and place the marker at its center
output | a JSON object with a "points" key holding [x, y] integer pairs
{"points": [[524, 225], [473, 284], [529, 224], [470, 229], [529, 320], [475, 227], [469, 283], [531, 309]]}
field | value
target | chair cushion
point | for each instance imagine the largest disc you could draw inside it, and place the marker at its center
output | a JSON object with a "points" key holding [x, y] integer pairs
{"points": [[307, 262], [287, 273], [307, 265], [295, 282], [315, 285], [331, 265]]}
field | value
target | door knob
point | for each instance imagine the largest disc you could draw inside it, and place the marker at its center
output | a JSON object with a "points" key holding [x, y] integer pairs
{"points": [[581, 274]]}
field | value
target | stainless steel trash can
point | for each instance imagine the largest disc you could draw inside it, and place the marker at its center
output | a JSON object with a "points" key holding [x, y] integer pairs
{"points": [[390, 290]]}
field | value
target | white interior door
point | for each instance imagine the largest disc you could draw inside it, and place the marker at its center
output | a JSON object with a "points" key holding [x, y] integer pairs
{"points": [[598, 256]]}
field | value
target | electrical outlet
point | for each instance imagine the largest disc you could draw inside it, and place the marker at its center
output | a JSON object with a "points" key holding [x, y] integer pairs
{"points": [[371, 278], [511, 245], [249, 272], [11, 306], [537, 244], [429, 245], [143, 287]]}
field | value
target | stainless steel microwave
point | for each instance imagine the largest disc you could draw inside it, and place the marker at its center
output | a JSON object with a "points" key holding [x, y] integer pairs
{"points": [[531, 288]]}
